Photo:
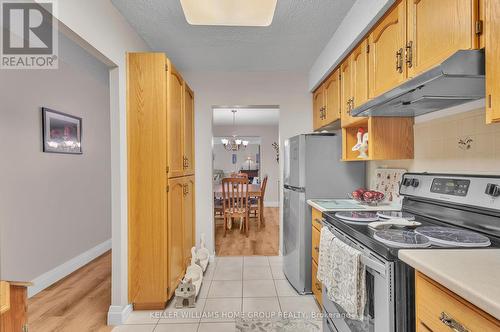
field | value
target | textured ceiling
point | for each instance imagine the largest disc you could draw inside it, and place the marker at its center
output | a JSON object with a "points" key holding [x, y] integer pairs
{"points": [[300, 30], [246, 117]]}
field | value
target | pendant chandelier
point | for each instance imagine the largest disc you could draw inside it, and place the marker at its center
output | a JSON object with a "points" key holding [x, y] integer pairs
{"points": [[233, 143]]}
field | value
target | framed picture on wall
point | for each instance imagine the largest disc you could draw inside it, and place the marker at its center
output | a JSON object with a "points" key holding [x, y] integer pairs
{"points": [[62, 133]]}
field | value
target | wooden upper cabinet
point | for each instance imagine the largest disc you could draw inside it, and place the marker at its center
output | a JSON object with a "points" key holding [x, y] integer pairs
{"points": [[386, 58], [175, 89], [332, 98], [437, 29], [318, 106], [188, 130], [492, 49], [358, 82], [360, 74], [346, 91], [175, 232], [189, 218]]}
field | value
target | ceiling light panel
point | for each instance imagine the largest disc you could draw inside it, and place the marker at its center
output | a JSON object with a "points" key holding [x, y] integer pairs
{"points": [[258, 13]]}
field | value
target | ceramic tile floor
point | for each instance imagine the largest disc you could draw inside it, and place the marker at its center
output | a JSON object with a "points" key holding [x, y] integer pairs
{"points": [[231, 285]]}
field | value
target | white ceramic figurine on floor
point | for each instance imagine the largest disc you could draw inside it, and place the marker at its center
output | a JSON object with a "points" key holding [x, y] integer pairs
{"points": [[203, 255], [194, 272]]}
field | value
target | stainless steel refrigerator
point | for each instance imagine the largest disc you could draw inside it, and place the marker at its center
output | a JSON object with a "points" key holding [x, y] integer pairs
{"points": [[312, 169]]}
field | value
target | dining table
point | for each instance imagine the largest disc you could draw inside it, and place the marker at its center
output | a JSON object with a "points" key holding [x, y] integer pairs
{"points": [[254, 190]]}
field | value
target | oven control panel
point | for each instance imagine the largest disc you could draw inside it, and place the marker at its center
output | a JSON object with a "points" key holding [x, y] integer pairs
{"points": [[454, 187], [480, 191]]}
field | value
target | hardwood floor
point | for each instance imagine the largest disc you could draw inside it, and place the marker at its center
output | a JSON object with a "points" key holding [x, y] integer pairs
{"points": [[79, 302], [259, 242]]}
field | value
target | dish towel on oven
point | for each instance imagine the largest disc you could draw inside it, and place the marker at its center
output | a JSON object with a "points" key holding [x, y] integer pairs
{"points": [[348, 287], [325, 257]]}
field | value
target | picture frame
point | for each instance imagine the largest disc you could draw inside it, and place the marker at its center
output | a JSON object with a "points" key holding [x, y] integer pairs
{"points": [[61, 132]]}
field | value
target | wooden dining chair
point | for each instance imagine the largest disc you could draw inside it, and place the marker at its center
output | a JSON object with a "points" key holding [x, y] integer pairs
{"points": [[257, 203], [235, 200]]}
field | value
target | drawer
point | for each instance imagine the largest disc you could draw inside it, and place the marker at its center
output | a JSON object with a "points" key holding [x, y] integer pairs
{"points": [[316, 218], [316, 285], [315, 234], [433, 301]]}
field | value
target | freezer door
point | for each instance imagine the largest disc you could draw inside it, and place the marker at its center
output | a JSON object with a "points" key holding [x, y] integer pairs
{"points": [[296, 241], [294, 167]]}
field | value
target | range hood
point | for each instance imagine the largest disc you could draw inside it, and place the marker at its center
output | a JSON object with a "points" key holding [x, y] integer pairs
{"points": [[458, 80]]}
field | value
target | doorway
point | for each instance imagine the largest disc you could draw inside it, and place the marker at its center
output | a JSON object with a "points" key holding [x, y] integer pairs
{"points": [[245, 143]]}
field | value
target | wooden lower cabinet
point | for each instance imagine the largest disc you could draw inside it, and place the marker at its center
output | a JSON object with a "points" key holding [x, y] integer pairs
{"points": [[316, 284], [189, 218], [316, 232], [437, 308], [176, 263]]}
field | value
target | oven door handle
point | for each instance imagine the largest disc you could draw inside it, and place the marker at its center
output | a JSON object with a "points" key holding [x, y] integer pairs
{"points": [[374, 265]]}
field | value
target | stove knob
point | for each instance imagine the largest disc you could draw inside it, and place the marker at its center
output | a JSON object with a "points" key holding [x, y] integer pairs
{"points": [[492, 190], [406, 182], [415, 183]]}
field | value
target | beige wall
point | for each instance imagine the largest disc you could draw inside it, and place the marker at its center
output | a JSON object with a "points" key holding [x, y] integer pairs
{"points": [[53, 207], [437, 146]]}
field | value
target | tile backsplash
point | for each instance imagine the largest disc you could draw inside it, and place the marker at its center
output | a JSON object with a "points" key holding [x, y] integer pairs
{"points": [[460, 143]]}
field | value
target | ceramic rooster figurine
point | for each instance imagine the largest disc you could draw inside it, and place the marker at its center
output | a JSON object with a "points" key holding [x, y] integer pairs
{"points": [[203, 255], [361, 144], [363, 149]]}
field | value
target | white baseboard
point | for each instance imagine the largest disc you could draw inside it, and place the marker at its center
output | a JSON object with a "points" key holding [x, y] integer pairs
{"points": [[271, 204], [48, 278], [117, 315]]}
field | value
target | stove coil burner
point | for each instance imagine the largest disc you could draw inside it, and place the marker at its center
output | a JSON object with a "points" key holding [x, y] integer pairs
{"points": [[357, 217], [453, 237], [402, 239], [395, 215]]}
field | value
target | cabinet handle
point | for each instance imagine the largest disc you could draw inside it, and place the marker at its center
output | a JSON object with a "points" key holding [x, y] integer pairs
{"points": [[316, 248], [318, 221], [452, 323], [409, 54], [399, 61], [318, 286]]}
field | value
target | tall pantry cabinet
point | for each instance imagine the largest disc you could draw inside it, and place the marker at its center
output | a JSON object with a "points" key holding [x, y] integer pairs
{"points": [[160, 139]]}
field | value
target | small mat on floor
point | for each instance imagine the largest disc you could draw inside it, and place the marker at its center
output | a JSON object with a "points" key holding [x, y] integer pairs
{"points": [[277, 325]]}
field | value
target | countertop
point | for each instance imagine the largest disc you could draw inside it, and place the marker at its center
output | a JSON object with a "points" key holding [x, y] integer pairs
{"points": [[349, 205], [473, 274]]}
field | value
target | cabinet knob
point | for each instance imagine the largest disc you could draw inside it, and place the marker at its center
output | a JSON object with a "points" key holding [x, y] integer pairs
{"points": [[318, 286], [316, 249]]}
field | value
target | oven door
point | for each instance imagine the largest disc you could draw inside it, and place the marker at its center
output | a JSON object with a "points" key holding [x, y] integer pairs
{"points": [[379, 308]]}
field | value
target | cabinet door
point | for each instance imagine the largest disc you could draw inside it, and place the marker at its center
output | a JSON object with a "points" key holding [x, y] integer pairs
{"points": [[437, 29], [332, 98], [386, 57], [360, 74], [346, 89], [492, 50], [147, 179], [188, 121], [318, 104], [174, 122], [175, 232], [189, 217]]}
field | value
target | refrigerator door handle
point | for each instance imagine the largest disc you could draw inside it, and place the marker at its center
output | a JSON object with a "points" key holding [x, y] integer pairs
{"points": [[298, 189]]}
